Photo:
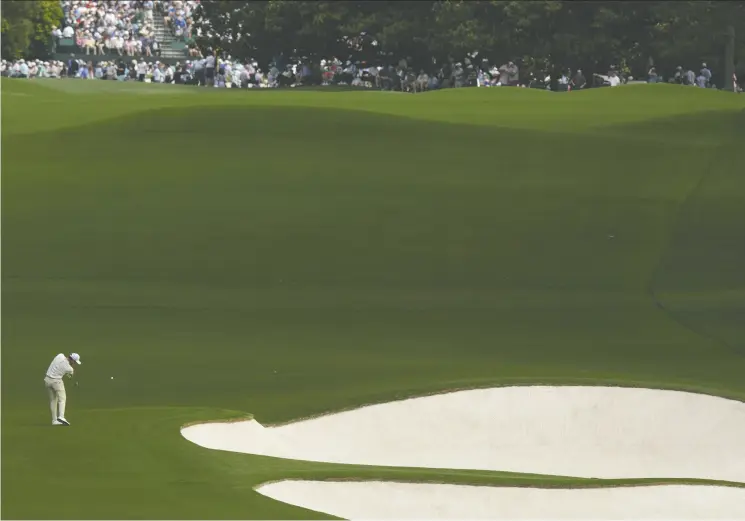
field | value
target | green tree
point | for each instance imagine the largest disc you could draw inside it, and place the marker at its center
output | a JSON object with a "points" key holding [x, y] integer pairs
{"points": [[27, 27], [48, 15], [591, 35], [688, 33], [17, 27]]}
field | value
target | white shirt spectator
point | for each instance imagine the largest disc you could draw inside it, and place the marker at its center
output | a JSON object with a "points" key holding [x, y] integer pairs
{"points": [[68, 32], [60, 367], [239, 73], [614, 81]]}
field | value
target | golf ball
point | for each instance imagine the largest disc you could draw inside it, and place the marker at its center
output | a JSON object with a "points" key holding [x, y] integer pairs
{"points": [[112, 377]]}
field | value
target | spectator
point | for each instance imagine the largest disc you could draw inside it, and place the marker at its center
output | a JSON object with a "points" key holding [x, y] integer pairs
{"points": [[145, 45], [578, 81], [23, 69], [689, 78], [422, 81], [158, 75], [198, 71], [482, 79], [73, 67], [141, 71], [701, 80], [652, 76], [209, 69], [54, 69], [220, 77], [110, 72], [100, 44], [148, 5], [679, 76], [513, 74], [130, 46], [706, 73]]}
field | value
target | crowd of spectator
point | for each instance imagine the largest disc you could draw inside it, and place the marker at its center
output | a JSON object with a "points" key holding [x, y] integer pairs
{"points": [[110, 27], [123, 27], [685, 77], [703, 79], [31, 69], [177, 16], [400, 77], [226, 72], [122, 70]]}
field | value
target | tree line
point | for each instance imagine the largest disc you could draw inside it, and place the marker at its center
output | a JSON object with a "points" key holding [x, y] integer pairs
{"points": [[537, 34]]}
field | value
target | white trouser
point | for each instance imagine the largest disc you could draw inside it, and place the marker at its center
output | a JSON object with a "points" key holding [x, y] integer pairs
{"points": [[57, 396]]}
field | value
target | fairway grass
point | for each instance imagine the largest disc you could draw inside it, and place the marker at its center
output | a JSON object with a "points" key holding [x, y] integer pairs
{"points": [[287, 254]]}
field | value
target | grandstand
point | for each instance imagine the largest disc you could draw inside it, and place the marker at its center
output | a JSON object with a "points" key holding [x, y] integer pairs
{"points": [[146, 29]]}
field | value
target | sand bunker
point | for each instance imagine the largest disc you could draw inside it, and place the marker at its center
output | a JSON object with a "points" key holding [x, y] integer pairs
{"points": [[601, 432], [596, 432], [375, 500]]}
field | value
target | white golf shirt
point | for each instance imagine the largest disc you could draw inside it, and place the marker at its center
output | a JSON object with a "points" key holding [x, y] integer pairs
{"points": [[59, 367]]}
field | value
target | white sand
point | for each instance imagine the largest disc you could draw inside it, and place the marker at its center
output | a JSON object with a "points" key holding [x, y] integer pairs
{"points": [[375, 500], [601, 432]]}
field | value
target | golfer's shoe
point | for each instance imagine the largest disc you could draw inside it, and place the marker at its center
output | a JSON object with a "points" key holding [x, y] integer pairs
{"points": [[56, 422], [63, 421]]}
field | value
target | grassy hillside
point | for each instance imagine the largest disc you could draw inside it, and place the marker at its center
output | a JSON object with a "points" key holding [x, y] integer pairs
{"points": [[363, 245]]}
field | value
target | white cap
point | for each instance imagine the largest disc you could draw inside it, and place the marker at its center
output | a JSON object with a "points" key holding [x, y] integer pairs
{"points": [[76, 358]]}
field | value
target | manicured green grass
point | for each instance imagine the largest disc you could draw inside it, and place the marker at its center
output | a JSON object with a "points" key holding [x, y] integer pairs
{"points": [[366, 246]]}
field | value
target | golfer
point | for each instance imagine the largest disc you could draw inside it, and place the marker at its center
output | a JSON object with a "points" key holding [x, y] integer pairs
{"points": [[61, 366]]}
